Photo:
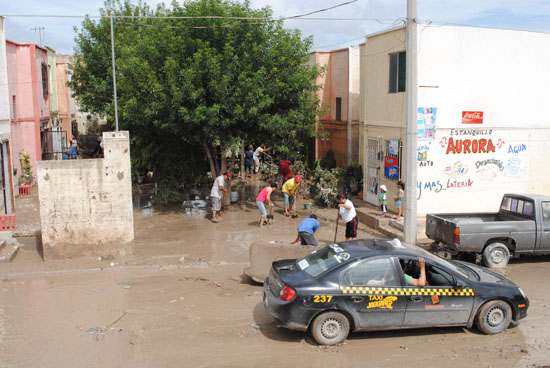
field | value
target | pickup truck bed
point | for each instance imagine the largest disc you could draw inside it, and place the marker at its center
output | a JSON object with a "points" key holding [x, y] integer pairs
{"points": [[477, 230]]}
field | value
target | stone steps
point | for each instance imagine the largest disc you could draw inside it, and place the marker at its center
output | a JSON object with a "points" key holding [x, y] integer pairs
{"points": [[7, 251]]}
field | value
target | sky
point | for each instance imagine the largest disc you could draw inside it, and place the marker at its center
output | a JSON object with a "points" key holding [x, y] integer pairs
{"points": [[348, 26]]}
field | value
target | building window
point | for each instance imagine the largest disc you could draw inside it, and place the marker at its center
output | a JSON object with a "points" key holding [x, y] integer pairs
{"points": [[14, 104], [397, 72], [45, 80], [338, 108]]}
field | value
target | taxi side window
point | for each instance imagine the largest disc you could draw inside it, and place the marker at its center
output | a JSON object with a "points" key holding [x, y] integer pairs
{"points": [[438, 277], [375, 272]]}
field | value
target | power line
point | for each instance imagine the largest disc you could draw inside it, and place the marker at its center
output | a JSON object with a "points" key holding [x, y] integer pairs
{"points": [[180, 17], [294, 17], [322, 10]]}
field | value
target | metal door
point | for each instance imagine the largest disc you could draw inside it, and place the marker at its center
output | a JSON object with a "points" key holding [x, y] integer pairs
{"points": [[439, 303], [373, 294], [373, 170]]}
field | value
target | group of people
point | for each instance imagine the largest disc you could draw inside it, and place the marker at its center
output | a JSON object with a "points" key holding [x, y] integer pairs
{"points": [[252, 158], [398, 198], [290, 186], [74, 150]]}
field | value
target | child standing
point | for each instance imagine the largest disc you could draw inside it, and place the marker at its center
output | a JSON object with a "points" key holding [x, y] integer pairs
{"points": [[399, 198], [383, 200]]}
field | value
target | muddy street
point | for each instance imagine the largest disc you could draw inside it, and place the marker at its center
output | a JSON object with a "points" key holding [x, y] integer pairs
{"points": [[182, 301]]}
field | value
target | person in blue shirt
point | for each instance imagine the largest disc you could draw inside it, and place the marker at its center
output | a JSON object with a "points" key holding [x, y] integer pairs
{"points": [[306, 229], [249, 160]]}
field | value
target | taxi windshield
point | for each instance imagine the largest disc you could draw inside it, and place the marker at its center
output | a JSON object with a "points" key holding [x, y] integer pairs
{"points": [[323, 259]]}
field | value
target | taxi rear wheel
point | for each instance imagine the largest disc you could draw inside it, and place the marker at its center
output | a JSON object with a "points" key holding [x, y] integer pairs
{"points": [[494, 317], [330, 328]]}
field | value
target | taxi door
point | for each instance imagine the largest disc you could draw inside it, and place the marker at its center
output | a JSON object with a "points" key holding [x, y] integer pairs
{"points": [[439, 303], [372, 293]]}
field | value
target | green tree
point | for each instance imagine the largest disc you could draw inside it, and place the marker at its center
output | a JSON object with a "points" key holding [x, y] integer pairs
{"points": [[190, 88]]}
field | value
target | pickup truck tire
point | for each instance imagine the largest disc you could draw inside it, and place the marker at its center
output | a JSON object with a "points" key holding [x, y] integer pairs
{"points": [[494, 317], [496, 255], [330, 328]]}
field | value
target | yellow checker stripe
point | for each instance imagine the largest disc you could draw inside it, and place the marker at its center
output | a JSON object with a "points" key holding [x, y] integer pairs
{"points": [[405, 291]]}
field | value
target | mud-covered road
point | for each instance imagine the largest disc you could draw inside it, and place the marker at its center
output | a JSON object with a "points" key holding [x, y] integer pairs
{"points": [[182, 302]]}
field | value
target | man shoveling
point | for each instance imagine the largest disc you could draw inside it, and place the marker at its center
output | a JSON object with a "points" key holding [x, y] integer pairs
{"points": [[306, 229]]}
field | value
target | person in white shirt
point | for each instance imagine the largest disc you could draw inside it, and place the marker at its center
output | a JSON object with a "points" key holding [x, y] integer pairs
{"points": [[260, 150], [347, 213], [217, 193]]}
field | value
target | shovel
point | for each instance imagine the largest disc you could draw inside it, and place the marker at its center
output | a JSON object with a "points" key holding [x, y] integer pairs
{"points": [[270, 216], [294, 214], [336, 231]]}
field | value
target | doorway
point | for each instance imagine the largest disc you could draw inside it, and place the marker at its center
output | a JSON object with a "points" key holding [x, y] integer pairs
{"points": [[373, 170]]}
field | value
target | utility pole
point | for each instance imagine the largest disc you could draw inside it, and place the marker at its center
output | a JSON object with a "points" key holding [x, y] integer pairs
{"points": [[114, 69], [412, 129], [39, 29]]}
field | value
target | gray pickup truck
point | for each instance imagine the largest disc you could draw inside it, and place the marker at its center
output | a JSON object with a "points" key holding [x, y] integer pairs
{"points": [[522, 226]]}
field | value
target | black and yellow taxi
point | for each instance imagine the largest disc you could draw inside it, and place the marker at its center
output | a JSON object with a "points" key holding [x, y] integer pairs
{"points": [[365, 284]]}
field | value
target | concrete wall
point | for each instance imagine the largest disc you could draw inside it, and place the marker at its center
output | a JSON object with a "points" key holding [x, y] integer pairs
{"points": [[86, 205]]}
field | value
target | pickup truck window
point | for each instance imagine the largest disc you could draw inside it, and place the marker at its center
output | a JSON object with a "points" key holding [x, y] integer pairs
{"points": [[518, 206], [546, 211]]}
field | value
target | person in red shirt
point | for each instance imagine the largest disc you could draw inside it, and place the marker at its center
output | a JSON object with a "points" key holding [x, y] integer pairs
{"points": [[285, 170]]}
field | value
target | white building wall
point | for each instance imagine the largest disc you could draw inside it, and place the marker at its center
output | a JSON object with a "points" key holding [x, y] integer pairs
{"points": [[504, 74], [4, 93]]}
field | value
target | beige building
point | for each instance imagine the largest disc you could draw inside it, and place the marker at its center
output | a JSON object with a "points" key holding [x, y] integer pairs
{"points": [[382, 110]]}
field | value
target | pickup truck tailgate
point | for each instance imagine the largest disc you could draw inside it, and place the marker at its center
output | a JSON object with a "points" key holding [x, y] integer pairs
{"points": [[440, 229]]}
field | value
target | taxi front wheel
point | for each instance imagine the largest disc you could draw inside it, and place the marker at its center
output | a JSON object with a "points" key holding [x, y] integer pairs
{"points": [[330, 328], [494, 317]]}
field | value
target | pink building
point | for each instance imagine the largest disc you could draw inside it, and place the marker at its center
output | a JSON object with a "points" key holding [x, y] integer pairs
{"points": [[29, 100], [339, 93]]}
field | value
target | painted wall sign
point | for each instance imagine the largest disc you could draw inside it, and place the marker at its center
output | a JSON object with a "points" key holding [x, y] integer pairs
{"points": [[481, 145], [472, 132], [391, 168], [426, 122], [472, 117]]}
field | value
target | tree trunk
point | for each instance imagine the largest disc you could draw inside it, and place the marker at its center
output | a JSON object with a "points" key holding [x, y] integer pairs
{"points": [[232, 166], [243, 174], [210, 160], [223, 164], [216, 163]]}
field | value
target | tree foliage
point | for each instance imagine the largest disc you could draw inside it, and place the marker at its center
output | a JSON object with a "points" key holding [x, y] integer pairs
{"points": [[192, 86]]}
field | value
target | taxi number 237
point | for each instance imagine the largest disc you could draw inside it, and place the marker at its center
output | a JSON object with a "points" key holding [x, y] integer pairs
{"points": [[322, 298]]}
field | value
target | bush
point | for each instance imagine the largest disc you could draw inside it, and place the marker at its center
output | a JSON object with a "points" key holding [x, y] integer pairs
{"points": [[328, 185]]}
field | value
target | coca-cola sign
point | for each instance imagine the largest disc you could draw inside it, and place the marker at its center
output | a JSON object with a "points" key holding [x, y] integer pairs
{"points": [[472, 117]]}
